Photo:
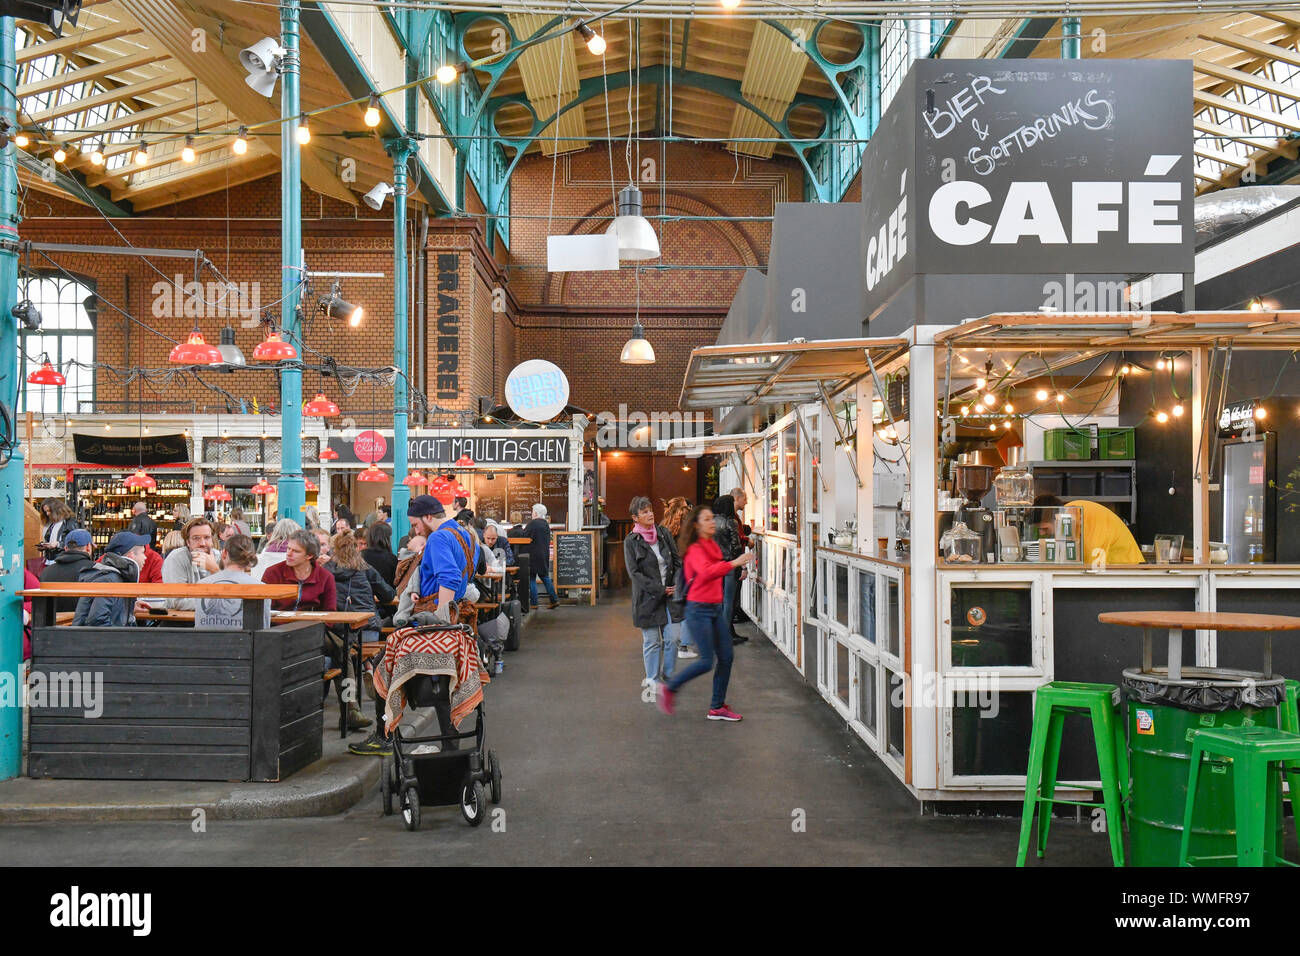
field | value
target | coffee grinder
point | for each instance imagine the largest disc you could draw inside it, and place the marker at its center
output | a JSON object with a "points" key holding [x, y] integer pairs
{"points": [[973, 483]]}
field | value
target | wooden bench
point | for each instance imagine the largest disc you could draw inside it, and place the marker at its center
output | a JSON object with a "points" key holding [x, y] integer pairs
{"points": [[202, 704]]}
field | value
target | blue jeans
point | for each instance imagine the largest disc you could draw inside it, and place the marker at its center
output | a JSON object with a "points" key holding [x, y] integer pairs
{"points": [[546, 580], [712, 635], [730, 590], [659, 645]]}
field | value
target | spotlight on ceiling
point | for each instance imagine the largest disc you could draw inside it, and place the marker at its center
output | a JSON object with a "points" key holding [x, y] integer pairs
{"points": [[28, 315], [378, 193], [262, 61], [336, 307]]}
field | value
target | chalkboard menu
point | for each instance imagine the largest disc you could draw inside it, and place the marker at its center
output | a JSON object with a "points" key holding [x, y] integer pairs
{"points": [[489, 497], [575, 560], [555, 495], [522, 492]]}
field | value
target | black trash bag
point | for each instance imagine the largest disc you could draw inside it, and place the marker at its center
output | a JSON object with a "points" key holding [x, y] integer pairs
{"points": [[1207, 695]]}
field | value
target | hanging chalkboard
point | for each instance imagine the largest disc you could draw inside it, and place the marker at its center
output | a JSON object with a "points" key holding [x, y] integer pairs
{"points": [[489, 499], [522, 492], [575, 561], [555, 495]]}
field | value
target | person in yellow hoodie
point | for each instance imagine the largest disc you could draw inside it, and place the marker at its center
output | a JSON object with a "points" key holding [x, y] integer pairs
{"points": [[1102, 528]]}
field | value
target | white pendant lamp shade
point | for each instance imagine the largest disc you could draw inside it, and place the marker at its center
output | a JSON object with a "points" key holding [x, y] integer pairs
{"points": [[636, 237], [638, 350]]}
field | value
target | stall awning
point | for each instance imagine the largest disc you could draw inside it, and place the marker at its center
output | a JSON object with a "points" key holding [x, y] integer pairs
{"points": [[1094, 331], [780, 373], [707, 444]]}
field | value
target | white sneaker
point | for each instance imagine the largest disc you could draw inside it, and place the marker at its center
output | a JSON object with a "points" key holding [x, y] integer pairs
{"points": [[647, 681], [423, 749], [685, 654]]}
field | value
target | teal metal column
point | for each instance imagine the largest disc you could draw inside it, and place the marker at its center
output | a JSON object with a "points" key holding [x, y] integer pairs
{"points": [[292, 490], [401, 350], [1071, 27], [11, 474]]}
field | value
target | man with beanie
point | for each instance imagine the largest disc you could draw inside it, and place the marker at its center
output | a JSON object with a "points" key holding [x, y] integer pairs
{"points": [[120, 564]]}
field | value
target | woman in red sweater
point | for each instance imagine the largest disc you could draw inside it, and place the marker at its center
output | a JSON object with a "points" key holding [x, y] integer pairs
{"points": [[315, 584], [703, 570]]}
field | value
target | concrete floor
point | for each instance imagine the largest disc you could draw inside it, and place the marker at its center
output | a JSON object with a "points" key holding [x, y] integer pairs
{"points": [[593, 775]]}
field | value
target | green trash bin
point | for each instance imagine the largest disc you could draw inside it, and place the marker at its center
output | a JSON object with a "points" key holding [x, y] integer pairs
{"points": [[1162, 716]]}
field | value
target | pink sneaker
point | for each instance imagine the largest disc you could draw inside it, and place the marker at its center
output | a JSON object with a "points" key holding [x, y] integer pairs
{"points": [[724, 713], [665, 699]]}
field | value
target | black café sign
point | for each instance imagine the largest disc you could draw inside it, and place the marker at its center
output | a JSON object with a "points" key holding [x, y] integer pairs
{"points": [[1030, 167], [131, 451], [446, 449]]}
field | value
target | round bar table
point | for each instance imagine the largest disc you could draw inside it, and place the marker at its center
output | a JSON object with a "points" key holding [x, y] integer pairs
{"points": [[1175, 622]]}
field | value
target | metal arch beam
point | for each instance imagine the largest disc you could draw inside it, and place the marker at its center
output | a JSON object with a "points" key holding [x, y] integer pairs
{"points": [[650, 75]]}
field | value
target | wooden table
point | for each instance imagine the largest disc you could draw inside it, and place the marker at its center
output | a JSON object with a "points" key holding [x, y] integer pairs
{"points": [[252, 595], [1175, 622]]}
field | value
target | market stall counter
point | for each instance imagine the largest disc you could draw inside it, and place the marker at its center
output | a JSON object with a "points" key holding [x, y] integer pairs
{"points": [[134, 703]]}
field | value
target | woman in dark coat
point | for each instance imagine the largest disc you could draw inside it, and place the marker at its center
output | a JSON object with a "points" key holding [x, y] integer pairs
{"points": [[652, 563], [728, 538]]}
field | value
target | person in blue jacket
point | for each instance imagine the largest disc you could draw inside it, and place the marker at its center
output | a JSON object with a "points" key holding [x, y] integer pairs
{"points": [[120, 564]]}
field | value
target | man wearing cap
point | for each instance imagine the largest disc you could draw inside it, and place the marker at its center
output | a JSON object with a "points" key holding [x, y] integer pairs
{"points": [[451, 555], [120, 564], [68, 565]]}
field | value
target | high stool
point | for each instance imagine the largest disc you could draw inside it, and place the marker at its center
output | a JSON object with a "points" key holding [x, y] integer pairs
{"points": [[1290, 721], [1051, 703], [1254, 753]]}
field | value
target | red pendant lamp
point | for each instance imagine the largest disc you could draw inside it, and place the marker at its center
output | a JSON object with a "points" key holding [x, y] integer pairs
{"points": [[327, 454], [464, 461], [415, 480], [309, 485], [461, 491], [274, 349], [47, 374], [195, 351], [141, 480], [224, 496], [214, 493], [373, 473], [321, 407], [263, 487]]}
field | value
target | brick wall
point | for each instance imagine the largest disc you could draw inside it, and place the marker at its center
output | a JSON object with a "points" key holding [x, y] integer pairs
{"points": [[507, 309]]}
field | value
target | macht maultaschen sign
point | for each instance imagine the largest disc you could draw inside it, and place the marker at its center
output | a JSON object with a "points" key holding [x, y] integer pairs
{"points": [[1030, 167]]}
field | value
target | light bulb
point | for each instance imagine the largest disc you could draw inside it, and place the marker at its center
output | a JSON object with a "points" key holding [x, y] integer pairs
{"points": [[992, 427], [1178, 411], [304, 134], [60, 154], [187, 154], [21, 140], [97, 156], [372, 111], [990, 399], [1160, 363], [1060, 397], [1006, 424], [596, 44], [1009, 408], [1162, 417], [446, 74], [1261, 414], [1125, 369], [240, 146], [142, 154], [730, 4], [980, 382], [965, 410], [1041, 395], [108, 427]]}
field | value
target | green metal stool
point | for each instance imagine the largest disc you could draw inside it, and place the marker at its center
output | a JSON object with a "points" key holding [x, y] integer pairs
{"points": [[1254, 753], [1051, 703], [1289, 718]]}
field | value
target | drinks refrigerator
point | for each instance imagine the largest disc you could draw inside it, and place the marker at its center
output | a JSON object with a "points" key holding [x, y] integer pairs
{"points": [[1255, 509]]}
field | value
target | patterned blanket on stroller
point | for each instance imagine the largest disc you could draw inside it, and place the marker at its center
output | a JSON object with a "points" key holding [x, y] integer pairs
{"points": [[411, 652]]}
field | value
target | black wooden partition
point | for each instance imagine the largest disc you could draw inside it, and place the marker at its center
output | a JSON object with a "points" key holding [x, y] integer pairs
{"points": [[179, 703]]}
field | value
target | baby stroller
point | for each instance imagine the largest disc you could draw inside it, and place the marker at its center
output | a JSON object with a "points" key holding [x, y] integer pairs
{"points": [[446, 778]]}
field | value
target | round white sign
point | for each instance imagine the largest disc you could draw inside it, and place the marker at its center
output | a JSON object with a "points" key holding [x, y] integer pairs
{"points": [[537, 390]]}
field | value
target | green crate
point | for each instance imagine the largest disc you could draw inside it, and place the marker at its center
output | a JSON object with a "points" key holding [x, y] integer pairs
{"points": [[1116, 444], [1067, 444]]}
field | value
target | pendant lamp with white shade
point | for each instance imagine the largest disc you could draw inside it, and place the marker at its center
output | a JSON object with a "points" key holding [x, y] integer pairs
{"points": [[636, 237], [637, 350]]}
